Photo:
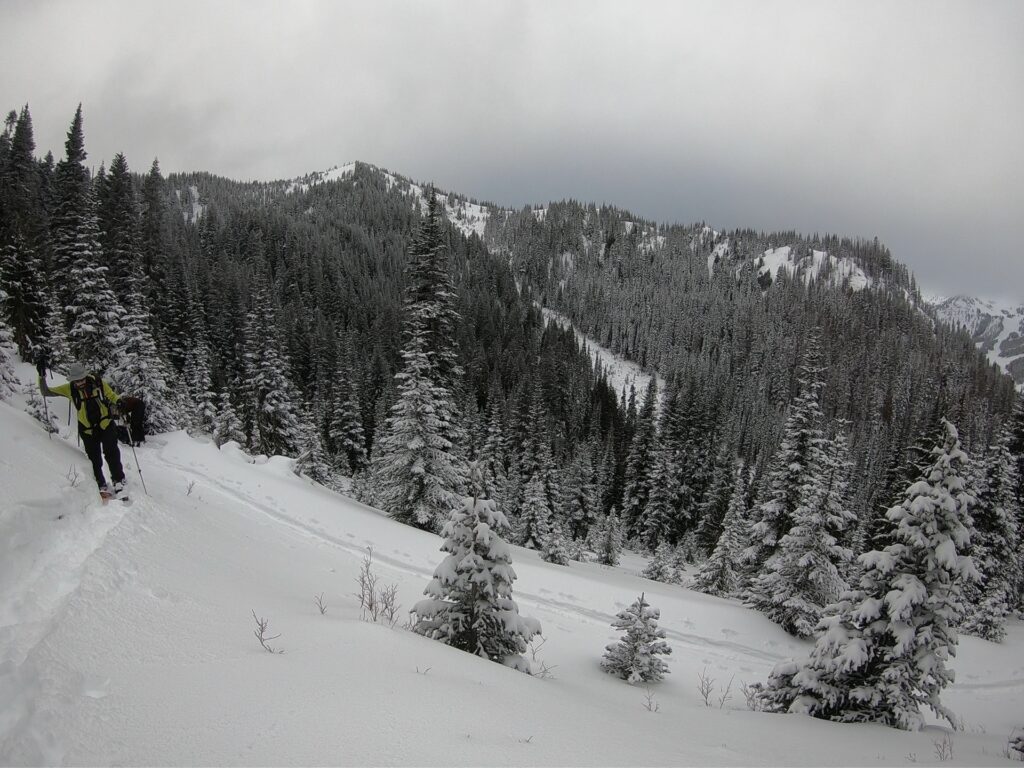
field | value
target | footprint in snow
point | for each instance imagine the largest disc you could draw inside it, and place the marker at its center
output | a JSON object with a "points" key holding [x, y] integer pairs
{"points": [[95, 689], [729, 632]]}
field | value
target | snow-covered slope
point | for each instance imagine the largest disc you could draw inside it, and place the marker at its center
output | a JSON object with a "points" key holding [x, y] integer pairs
{"points": [[623, 375], [813, 265], [126, 637], [468, 217], [996, 327]]}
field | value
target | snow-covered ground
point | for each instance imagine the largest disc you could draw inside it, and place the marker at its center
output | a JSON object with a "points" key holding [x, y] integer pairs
{"points": [[842, 271], [126, 637]]}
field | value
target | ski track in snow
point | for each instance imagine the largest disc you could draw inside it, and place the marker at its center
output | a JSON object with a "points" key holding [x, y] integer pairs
{"points": [[125, 639], [728, 650]]}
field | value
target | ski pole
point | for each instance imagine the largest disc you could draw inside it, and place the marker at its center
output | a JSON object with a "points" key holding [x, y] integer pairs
{"points": [[131, 442], [41, 370], [46, 412]]}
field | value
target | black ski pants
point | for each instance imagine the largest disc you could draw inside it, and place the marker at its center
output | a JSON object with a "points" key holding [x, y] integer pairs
{"points": [[100, 444]]}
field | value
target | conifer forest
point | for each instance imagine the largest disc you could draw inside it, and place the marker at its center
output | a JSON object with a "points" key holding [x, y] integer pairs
{"points": [[812, 432]]}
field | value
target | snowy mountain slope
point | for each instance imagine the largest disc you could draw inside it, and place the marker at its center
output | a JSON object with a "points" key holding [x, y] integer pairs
{"points": [[997, 329], [126, 637], [813, 265], [623, 375], [468, 217]]}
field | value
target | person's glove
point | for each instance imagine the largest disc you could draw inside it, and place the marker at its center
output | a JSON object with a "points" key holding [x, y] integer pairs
{"points": [[115, 412], [42, 364]]}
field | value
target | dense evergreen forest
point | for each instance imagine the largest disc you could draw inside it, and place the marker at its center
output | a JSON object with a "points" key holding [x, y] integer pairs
{"points": [[353, 325]]}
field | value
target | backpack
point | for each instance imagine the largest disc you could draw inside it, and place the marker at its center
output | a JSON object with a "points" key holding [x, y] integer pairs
{"points": [[93, 396]]}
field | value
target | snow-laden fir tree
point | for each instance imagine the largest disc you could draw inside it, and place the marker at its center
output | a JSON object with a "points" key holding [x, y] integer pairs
{"points": [[140, 371], [1016, 446], [1017, 743], [638, 464], [659, 516], [805, 573], [312, 460], [418, 472], [795, 468], [881, 649], [995, 546], [8, 382], [91, 311], [197, 374], [345, 429], [493, 457], [469, 602], [635, 658], [23, 238], [555, 550], [270, 402], [607, 538], [713, 507], [227, 425], [198, 380], [415, 468], [662, 566], [580, 501], [533, 526], [720, 573]]}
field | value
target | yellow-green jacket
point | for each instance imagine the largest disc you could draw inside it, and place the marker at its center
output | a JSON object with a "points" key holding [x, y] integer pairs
{"points": [[93, 403]]}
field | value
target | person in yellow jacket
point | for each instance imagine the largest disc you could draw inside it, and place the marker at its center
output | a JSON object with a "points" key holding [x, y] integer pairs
{"points": [[97, 406]]}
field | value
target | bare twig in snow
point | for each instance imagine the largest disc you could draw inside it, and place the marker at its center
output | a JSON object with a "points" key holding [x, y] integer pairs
{"points": [[261, 634], [944, 748]]}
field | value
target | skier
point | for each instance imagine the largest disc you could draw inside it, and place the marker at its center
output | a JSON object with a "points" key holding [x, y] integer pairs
{"points": [[97, 406]]}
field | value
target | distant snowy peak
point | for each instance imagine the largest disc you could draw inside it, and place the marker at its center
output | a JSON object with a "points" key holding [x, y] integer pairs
{"points": [[997, 329], [468, 217]]}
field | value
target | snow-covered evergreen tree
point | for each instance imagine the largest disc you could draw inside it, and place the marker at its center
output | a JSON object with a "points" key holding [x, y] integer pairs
{"points": [[270, 415], [658, 516], [312, 460], [226, 424], [554, 550], [796, 468], [881, 649], [635, 658], [23, 240], [805, 573], [493, 458], [1017, 743], [418, 470], [197, 374], [8, 383], [469, 601], [719, 574], [663, 566], [140, 372], [533, 526], [607, 539], [91, 312], [580, 502], [638, 465], [345, 429], [415, 468], [995, 547]]}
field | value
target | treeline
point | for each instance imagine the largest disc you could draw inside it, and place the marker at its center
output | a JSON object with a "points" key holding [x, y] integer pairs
{"points": [[306, 321]]}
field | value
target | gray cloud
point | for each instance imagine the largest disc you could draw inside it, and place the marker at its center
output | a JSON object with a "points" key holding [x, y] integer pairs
{"points": [[899, 120]]}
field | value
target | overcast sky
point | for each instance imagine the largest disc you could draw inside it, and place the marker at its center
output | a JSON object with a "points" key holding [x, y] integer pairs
{"points": [[901, 120]]}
